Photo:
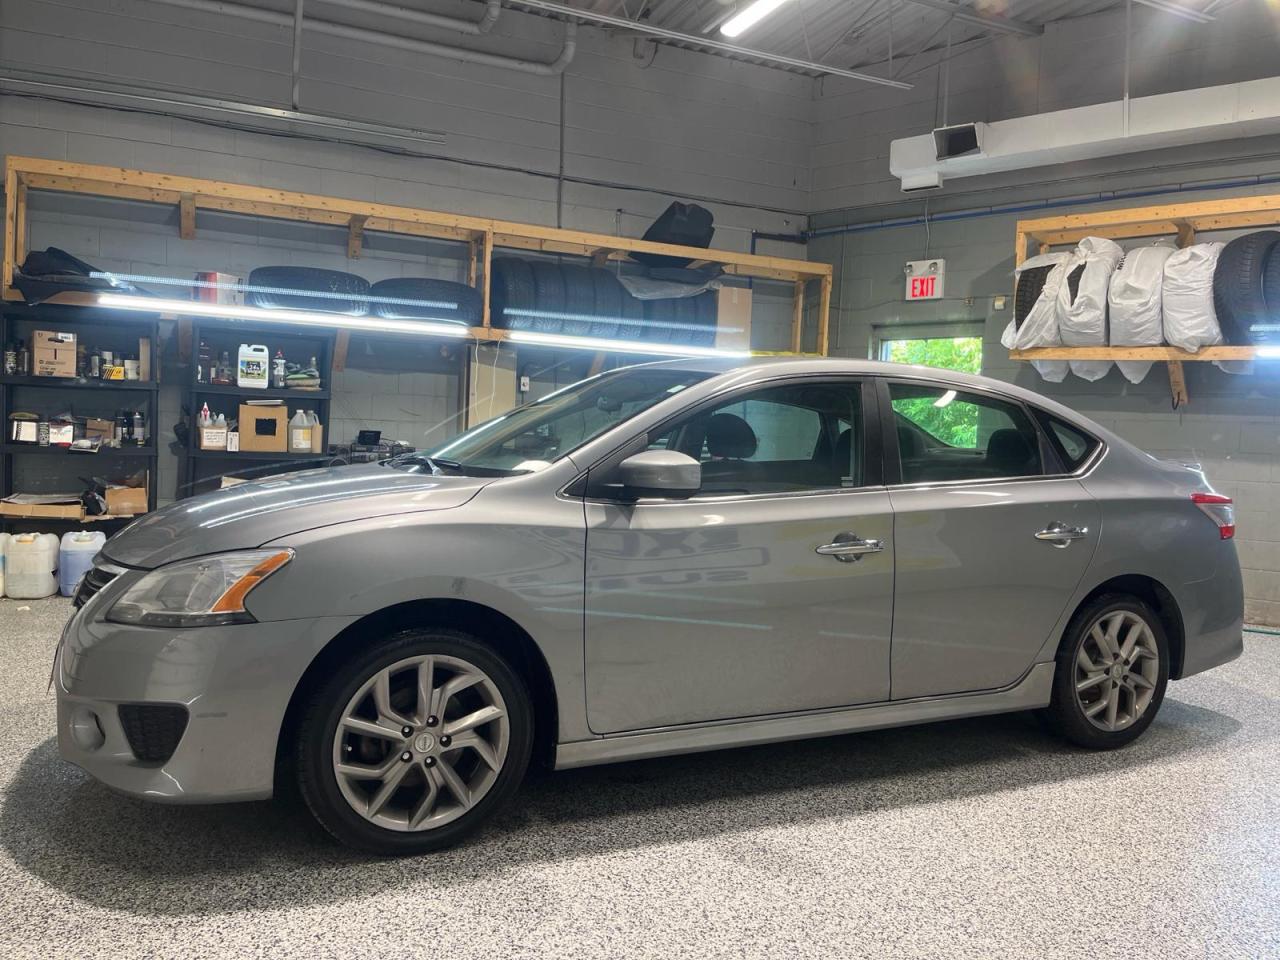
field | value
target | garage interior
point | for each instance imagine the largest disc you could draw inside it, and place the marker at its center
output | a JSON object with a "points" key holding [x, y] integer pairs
{"points": [[882, 175]]}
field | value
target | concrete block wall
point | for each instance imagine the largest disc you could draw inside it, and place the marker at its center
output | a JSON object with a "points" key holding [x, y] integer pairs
{"points": [[1231, 426]]}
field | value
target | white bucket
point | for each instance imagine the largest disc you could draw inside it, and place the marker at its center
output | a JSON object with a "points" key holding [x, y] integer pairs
{"points": [[30, 562]]}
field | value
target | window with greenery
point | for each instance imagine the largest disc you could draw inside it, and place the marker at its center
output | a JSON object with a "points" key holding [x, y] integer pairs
{"points": [[947, 353]]}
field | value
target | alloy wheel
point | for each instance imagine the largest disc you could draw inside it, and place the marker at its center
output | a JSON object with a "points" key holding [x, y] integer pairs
{"points": [[421, 743], [1117, 668]]}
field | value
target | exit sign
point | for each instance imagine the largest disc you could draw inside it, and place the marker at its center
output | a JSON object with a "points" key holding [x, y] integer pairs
{"points": [[925, 279]]}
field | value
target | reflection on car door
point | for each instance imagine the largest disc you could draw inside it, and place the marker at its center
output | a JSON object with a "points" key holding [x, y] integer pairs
{"points": [[720, 606], [977, 592]]}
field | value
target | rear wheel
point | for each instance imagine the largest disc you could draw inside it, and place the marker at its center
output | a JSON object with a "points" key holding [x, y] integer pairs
{"points": [[414, 743], [1112, 670]]}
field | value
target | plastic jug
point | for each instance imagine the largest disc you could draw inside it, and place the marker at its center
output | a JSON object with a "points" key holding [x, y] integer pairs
{"points": [[300, 433], [30, 562], [253, 366], [75, 557], [4, 545]]}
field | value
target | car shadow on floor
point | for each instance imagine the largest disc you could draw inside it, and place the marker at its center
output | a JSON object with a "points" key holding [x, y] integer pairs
{"points": [[125, 854]]}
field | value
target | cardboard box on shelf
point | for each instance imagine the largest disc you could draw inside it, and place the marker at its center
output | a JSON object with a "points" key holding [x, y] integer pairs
{"points": [[126, 501], [213, 438], [53, 353], [95, 428], [264, 427], [214, 287], [42, 506], [233, 441]]}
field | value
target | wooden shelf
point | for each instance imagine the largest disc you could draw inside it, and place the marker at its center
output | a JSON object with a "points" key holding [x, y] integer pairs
{"points": [[253, 393], [76, 383], [1134, 353]]}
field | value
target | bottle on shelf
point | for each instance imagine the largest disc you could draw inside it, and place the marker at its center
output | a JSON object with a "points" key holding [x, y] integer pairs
{"points": [[95, 364], [278, 370], [82, 358], [206, 419], [204, 362], [300, 433], [317, 432], [10, 359], [24, 359]]}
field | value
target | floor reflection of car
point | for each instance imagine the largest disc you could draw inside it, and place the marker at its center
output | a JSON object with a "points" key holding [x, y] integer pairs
{"points": [[661, 559]]}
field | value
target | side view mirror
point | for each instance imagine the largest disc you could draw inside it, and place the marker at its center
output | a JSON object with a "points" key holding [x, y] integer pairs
{"points": [[660, 473]]}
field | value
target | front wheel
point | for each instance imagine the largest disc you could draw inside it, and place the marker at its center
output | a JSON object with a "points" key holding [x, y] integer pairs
{"points": [[1112, 670], [413, 743]]}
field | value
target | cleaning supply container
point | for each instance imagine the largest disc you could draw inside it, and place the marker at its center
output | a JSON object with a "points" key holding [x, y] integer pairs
{"points": [[75, 557], [30, 562], [4, 545]]}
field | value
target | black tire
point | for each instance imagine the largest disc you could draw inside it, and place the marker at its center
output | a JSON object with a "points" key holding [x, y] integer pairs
{"points": [[1073, 282], [1271, 287], [1239, 296], [512, 293], [634, 317], [658, 317], [1030, 286], [295, 288], [323, 710], [608, 303], [549, 296], [469, 302], [579, 299], [1065, 715]]}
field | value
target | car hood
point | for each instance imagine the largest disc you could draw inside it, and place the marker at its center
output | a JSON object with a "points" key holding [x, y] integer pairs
{"points": [[251, 514]]}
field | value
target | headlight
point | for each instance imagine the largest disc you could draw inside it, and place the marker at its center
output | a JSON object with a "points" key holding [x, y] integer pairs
{"points": [[209, 591]]}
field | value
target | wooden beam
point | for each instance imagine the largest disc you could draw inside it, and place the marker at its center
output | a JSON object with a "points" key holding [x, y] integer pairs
{"points": [[1177, 383], [1134, 353], [797, 316], [187, 216], [600, 256], [20, 228], [185, 335], [1186, 234], [355, 236], [486, 278], [824, 317], [341, 343], [10, 232], [473, 260]]}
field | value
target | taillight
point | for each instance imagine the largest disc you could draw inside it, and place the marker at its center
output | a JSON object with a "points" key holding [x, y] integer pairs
{"points": [[1218, 509]]}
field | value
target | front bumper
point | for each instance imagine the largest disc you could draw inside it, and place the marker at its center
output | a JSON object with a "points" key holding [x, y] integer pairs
{"points": [[234, 681]]}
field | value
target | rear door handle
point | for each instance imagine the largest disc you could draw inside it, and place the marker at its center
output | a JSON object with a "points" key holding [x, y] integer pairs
{"points": [[848, 547], [1060, 534]]}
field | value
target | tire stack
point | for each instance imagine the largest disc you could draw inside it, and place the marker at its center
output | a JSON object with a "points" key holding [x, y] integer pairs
{"points": [[580, 301], [333, 291], [1246, 286]]}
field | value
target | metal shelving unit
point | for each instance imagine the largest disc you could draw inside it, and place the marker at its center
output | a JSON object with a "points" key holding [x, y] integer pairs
{"points": [[203, 469], [114, 329]]}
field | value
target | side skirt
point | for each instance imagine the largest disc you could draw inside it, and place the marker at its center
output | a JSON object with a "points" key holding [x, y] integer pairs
{"points": [[1029, 693]]}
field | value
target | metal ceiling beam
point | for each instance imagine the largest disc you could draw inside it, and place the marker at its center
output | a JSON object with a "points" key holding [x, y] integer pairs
{"points": [[661, 33], [1186, 13], [1003, 24]]}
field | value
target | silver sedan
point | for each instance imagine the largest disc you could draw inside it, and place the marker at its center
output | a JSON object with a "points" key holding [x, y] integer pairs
{"points": [[661, 559]]}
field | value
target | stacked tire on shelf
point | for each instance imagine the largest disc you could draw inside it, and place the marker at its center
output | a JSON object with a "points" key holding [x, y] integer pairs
{"points": [[580, 301], [333, 291], [1246, 286]]}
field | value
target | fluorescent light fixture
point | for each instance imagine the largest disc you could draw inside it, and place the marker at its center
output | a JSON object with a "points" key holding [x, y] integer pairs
{"points": [[1267, 353], [240, 287], [748, 18], [620, 346], [945, 399], [227, 311], [605, 318]]}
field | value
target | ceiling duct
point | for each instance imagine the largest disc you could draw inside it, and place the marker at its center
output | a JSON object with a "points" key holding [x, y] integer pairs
{"points": [[1229, 112]]}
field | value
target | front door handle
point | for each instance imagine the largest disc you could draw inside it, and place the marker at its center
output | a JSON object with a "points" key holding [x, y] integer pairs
{"points": [[1060, 534], [848, 547]]}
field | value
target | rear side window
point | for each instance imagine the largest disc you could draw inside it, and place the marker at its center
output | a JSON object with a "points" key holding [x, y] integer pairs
{"points": [[946, 434], [1074, 445]]}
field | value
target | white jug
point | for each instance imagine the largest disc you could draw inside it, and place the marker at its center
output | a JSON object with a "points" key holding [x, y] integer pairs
{"points": [[30, 562]]}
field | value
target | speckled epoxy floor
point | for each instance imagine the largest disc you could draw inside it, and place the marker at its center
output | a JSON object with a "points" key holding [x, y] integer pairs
{"points": [[978, 838]]}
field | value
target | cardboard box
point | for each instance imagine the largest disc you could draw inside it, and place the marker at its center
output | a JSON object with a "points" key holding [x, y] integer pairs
{"points": [[213, 438], [233, 442], [214, 287], [264, 428], [53, 353], [126, 501], [96, 428], [42, 506]]}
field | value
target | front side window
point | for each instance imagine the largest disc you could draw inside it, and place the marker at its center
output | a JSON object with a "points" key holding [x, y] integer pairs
{"points": [[946, 434], [776, 440], [529, 438]]}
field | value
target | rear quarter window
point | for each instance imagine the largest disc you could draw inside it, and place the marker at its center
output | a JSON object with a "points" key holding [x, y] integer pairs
{"points": [[1074, 446]]}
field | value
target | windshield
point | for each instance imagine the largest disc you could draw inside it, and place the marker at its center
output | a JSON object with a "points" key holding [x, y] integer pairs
{"points": [[529, 438]]}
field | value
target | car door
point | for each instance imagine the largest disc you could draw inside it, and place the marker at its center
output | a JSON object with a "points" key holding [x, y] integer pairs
{"points": [[991, 538], [722, 605]]}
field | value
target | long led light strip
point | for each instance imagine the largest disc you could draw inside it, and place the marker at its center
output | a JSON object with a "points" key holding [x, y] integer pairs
{"points": [[303, 317], [620, 346], [749, 17]]}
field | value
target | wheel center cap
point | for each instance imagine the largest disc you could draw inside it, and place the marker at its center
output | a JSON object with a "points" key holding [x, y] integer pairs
{"points": [[423, 742], [1117, 671]]}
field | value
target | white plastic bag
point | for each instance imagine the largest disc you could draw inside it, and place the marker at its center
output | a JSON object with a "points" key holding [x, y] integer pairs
{"points": [[1082, 321], [1040, 326], [1136, 314], [1190, 321]]}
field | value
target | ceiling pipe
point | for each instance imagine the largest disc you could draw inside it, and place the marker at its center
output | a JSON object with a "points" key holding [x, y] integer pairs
{"points": [[361, 35], [1186, 13], [731, 49], [1002, 24], [473, 28]]}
